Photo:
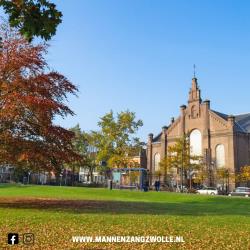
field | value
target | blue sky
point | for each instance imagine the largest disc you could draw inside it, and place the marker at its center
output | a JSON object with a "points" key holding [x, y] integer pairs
{"points": [[139, 55]]}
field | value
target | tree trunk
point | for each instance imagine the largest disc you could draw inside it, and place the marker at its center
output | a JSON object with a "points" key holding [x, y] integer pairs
{"points": [[91, 174]]}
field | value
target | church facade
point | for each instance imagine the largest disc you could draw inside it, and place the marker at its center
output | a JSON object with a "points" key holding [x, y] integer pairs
{"points": [[223, 140]]}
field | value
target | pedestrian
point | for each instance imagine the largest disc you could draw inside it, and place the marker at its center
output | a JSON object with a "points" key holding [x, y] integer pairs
{"points": [[156, 184], [145, 186]]}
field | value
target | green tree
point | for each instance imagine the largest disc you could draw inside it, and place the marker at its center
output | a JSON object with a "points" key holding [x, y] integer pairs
{"points": [[116, 141], [83, 146], [33, 17]]}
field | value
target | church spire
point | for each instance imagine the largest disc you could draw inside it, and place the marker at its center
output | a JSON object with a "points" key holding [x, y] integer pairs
{"points": [[194, 80], [194, 84], [194, 93]]}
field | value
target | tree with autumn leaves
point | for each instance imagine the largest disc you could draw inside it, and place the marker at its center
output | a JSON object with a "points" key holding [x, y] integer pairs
{"points": [[224, 177], [31, 96], [180, 162], [244, 175]]}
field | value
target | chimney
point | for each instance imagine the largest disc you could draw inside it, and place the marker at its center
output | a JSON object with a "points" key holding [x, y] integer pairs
{"points": [[164, 129], [150, 138], [182, 109], [231, 120], [207, 103]]}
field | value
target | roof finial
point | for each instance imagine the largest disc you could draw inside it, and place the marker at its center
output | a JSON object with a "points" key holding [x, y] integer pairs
{"points": [[194, 70]]}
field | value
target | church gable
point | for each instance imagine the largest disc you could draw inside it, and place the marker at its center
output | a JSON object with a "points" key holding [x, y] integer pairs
{"points": [[174, 129], [217, 122]]}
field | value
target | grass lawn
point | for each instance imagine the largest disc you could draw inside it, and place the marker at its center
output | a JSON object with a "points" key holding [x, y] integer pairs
{"points": [[55, 214]]}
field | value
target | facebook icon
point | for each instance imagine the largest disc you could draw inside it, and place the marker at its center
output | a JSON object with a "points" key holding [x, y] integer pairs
{"points": [[12, 238]]}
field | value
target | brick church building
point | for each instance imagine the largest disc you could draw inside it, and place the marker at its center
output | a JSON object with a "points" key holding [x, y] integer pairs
{"points": [[223, 140]]}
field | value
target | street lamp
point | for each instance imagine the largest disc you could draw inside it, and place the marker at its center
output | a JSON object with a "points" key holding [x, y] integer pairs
{"points": [[61, 179], [211, 167], [29, 177], [227, 176], [182, 167], [65, 181]]}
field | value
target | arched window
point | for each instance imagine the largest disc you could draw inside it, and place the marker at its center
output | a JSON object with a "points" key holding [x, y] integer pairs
{"points": [[195, 143], [220, 156], [157, 159]]}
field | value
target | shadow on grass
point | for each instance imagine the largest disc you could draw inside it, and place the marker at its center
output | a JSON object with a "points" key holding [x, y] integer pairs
{"points": [[8, 185], [196, 208]]}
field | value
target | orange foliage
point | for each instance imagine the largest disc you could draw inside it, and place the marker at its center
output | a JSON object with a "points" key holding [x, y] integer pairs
{"points": [[31, 96]]}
